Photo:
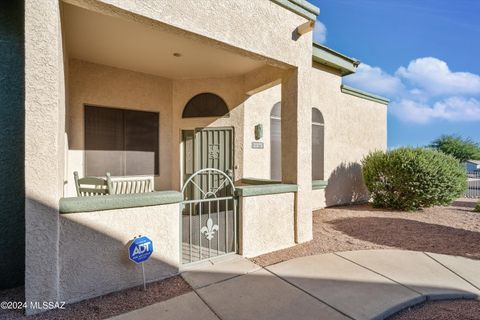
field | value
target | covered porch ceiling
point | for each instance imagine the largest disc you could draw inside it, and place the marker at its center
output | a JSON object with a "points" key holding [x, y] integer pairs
{"points": [[132, 45]]}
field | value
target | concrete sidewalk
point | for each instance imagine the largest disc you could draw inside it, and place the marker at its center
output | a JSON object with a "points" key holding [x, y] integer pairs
{"points": [[371, 284]]}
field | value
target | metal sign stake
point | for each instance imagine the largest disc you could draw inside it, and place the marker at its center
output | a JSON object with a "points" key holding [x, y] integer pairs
{"points": [[144, 283], [140, 251]]}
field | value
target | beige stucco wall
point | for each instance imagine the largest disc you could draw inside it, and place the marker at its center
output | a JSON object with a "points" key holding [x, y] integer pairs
{"points": [[266, 223], [44, 147], [256, 27], [93, 249], [318, 199], [260, 29], [102, 85], [353, 127], [232, 92], [256, 162]]}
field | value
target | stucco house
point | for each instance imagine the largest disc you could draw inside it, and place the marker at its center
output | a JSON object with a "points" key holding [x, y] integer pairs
{"points": [[472, 165], [222, 126]]}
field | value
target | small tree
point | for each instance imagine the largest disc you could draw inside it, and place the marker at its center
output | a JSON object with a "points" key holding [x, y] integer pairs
{"points": [[460, 148], [413, 178]]}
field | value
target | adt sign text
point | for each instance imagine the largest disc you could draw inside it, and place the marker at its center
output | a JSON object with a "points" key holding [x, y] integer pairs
{"points": [[141, 249]]}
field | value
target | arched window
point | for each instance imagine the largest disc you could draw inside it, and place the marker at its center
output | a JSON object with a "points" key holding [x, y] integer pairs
{"points": [[318, 148], [275, 143], [205, 105]]}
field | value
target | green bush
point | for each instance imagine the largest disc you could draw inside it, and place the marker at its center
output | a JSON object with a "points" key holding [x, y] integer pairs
{"points": [[477, 207], [413, 178]]}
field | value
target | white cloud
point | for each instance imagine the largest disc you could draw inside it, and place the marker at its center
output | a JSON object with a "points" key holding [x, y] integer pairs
{"points": [[435, 77], [319, 32], [375, 80], [424, 91], [451, 109]]}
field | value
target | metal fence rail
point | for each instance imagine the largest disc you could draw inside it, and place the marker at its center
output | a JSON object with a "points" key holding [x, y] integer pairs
{"points": [[473, 190], [208, 228], [209, 216]]}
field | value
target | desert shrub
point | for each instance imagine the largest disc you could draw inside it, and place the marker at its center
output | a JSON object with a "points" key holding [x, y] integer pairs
{"points": [[413, 178]]}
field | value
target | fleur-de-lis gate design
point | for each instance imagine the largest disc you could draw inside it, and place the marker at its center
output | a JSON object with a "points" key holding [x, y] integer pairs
{"points": [[209, 220]]}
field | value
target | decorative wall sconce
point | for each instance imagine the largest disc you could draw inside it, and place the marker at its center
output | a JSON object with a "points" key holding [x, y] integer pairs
{"points": [[258, 132]]}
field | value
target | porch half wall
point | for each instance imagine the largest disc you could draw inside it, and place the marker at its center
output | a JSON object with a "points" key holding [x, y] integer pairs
{"points": [[267, 221], [93, 248]]}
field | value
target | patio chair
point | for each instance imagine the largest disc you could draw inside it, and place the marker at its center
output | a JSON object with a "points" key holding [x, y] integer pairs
{"points": [[92, 186]]}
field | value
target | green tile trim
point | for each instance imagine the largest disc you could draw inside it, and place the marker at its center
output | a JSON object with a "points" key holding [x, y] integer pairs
{"points": [[319, 184], [118, 201], [301, 7], [324, 55], [260, 190], [255, 181], [364, 95]]}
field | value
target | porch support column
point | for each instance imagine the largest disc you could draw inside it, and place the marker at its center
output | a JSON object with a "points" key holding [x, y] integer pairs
{"points": [[296, 146], [44, 148]]}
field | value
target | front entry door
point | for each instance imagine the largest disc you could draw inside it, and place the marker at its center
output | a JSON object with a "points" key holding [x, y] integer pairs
{"points": [[207, 148], [209, 216]]}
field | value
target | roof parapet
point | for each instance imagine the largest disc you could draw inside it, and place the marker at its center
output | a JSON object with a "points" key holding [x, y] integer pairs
{"points": [[364, 95], [329, 57], [301, 7]]}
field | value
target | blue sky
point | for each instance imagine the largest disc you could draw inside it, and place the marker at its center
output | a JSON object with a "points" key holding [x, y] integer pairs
{"points": [[423, 54]]}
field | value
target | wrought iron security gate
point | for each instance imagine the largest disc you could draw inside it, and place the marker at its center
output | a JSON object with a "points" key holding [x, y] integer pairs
{"points": [[209, 216]]}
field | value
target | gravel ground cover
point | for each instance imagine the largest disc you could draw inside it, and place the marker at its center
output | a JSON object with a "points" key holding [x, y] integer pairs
{"points": [[453, 230], [442, 310], [102, 307]]}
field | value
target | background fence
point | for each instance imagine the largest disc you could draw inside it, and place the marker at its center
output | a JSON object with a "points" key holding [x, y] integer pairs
{"points": [[473, 190]]}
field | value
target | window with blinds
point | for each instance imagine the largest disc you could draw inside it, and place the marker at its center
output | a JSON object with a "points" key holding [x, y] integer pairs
{"points": [[122, 142]]}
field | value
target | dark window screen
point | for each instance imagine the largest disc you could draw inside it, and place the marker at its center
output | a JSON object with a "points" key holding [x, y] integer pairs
{"points": [[122, 142], [205, 105], [318, 147], [276, 143]]}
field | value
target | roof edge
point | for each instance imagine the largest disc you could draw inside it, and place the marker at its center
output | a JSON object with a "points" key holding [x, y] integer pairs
{"points": [[301, 7], [364, 95], [327, 56]]}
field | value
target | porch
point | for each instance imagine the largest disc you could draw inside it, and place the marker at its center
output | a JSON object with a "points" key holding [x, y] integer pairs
{"points": [[132, 116], [158, 105]]}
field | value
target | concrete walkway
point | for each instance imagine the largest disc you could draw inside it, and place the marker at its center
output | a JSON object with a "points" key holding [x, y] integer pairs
{"points": [[371, 284]]}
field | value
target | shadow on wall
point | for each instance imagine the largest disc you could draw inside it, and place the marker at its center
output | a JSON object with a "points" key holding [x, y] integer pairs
{"points": [[93, 252], [94, 263], [346, 185]]}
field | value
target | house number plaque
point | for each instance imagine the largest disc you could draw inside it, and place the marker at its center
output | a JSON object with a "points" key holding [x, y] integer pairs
{"points": [[257, 145]]}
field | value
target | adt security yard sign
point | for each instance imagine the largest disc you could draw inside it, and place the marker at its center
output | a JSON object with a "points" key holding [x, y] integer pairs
{"points": [[141, 249]]}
